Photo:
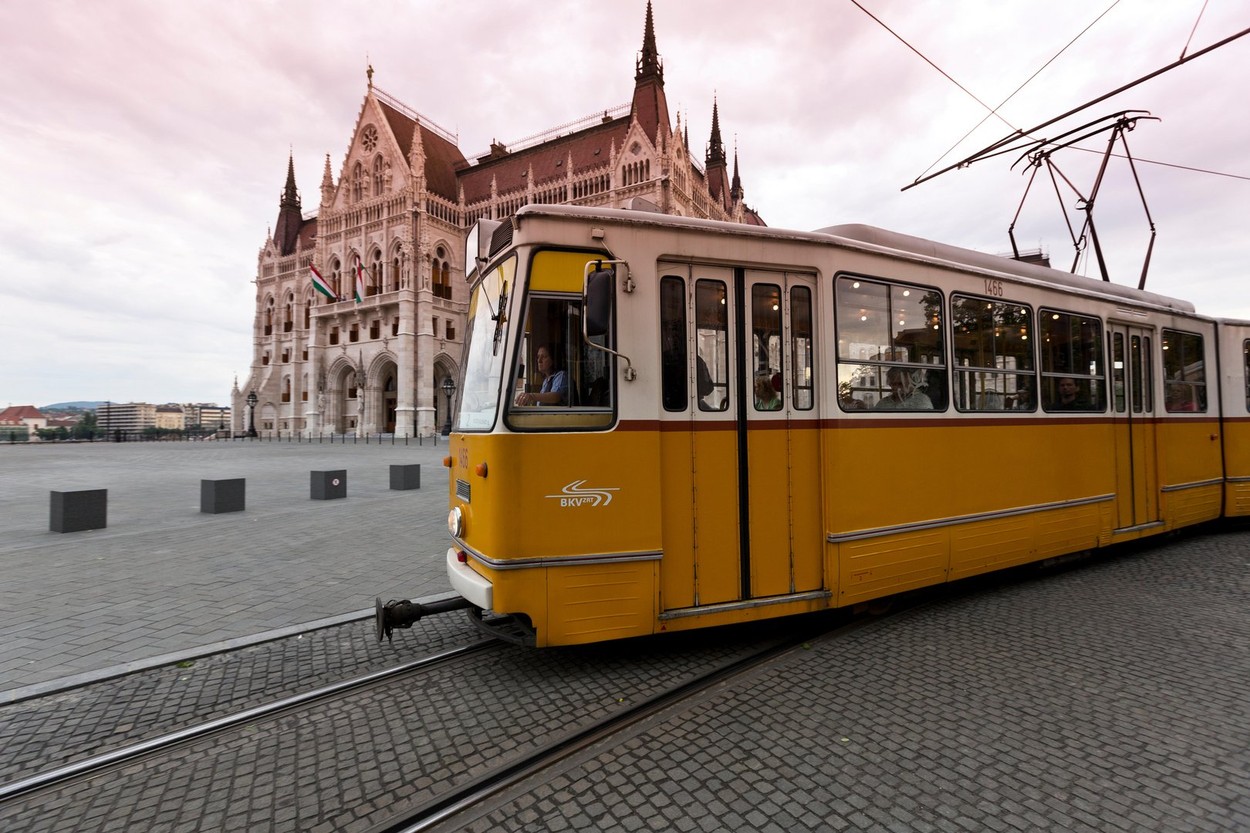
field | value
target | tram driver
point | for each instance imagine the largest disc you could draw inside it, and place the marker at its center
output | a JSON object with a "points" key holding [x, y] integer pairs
{"points": [[555, 385]]}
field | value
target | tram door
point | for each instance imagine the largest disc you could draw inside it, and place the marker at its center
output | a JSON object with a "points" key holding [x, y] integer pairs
{"points": [[1133, 410], [740, 455], [779, 430]]}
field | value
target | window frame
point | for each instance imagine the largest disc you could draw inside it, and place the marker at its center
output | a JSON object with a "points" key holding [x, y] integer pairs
{"points": [[1197, 387], [881, 367], [1031, 372], [1097, 381]]}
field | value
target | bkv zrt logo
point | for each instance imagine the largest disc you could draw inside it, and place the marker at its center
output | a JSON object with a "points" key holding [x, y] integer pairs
{"points": [[575, 494]]}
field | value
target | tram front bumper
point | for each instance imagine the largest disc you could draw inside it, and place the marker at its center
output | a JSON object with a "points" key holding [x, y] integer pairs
{"points": [[467, 583]]}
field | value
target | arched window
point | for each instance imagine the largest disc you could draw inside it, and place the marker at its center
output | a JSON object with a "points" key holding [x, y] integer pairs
{"points": [[288, 313], [307, 313], [440, 272], [269, 317], [336, 278], [374, 275], [377, 174], [358, 183], [393, 283]]}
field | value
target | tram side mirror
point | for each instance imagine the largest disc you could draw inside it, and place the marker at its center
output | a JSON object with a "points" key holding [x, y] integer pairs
{"points": [[477, 247], [597, 299]]}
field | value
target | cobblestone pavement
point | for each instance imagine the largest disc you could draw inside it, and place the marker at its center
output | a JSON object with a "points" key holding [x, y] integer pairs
{"points": [[1112, 697], [349, 763], [163, 578]]}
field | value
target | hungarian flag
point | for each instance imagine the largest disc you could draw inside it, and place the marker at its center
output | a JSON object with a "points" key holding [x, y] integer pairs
{"points": [[319, 283], [360, 281]]}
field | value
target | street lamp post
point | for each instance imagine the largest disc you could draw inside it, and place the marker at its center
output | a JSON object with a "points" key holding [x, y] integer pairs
{"points": [[449, 390], [251, 424]]}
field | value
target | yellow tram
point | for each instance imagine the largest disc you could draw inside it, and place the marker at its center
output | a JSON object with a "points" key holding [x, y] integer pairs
{"points": [[669, 423]]}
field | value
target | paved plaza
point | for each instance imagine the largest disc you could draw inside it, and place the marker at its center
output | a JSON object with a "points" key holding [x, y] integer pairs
{"points": [[165, 578]]}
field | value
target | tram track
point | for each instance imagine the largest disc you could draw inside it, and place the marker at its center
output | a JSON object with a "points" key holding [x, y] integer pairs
{"points": [[96, 764], [122, 710], [379, 751], [464, 798]]}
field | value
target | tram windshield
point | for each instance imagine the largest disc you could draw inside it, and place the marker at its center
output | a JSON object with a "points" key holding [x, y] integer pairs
{"points": [[484, 353]]}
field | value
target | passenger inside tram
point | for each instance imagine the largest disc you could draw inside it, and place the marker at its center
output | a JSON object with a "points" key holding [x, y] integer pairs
{"points": [[903, 395], [767, 398], [1069, 396]]}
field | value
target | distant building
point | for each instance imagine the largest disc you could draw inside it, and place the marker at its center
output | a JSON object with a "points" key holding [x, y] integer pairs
{"points": [[130, 417], [170, 418], [20, 422], [398, 212], [207, 417]]}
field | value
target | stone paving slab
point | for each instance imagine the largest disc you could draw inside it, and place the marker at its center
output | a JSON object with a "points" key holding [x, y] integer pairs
{"points": [[164, 577], [1111, 697]]}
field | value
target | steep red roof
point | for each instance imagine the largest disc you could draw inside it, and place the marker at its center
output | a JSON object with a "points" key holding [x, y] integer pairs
{"points": [[590, 148], [441, 156], [14, 414]]}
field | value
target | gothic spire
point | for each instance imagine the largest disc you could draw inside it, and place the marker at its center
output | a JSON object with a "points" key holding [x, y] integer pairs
{"points": [[649, 64], [717, 176], [715, 146], [327, 182], [649, 107], [290, 217], [290, 196], [735, 188]]}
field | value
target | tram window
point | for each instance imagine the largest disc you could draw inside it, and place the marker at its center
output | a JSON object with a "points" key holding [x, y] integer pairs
{"points": [[1073, 378], [992, 353], [766, 346], [1245, 351], [711, 333], [1118, 370], [802, 348], [1142, 378], [673, 344], [890, 349], [1184, 372], [560, 382]]}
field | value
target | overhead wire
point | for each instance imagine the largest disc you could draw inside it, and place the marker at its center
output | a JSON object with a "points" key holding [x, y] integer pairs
{"points": [[925, 58], [996, 145], [1027, 81], [1195, 29]]}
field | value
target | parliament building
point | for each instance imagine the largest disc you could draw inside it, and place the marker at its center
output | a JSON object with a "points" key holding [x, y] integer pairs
{"points": [[369, 350]]}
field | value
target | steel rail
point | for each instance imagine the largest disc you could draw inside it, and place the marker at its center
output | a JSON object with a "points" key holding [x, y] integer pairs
{"points": [[125, 754], [456, 801]]}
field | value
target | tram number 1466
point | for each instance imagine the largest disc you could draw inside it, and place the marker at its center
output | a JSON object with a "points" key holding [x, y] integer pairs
{"points": [[993, 288]]}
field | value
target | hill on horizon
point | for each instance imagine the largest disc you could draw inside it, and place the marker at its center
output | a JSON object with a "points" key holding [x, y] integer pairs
{"points": [[65, 406]]}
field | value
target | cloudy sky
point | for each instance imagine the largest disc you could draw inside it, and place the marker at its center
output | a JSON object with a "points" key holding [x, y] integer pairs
{"points": [[144, 143]]}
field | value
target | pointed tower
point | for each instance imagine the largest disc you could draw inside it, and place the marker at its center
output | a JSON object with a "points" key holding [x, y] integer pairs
{"points": [[289, 214], [327, 183], [650, 106], [735, 189], [717, 174]]}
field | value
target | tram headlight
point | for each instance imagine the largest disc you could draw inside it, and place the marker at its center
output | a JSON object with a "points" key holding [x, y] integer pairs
{"points": [[455, 522]]}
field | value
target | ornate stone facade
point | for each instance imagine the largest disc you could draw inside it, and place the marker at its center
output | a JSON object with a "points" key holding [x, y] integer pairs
{"points": [[391, 230]]}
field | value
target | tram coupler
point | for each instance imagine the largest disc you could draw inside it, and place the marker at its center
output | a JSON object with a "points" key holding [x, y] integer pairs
{"points": [[402, 613]]}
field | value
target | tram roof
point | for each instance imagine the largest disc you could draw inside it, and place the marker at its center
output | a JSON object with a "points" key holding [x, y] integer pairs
{"points": [[932, 250], [871, 238]]}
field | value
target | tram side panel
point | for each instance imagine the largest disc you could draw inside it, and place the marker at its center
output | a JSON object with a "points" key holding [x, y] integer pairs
{"points": [[1234, 345], [922, 500]]}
